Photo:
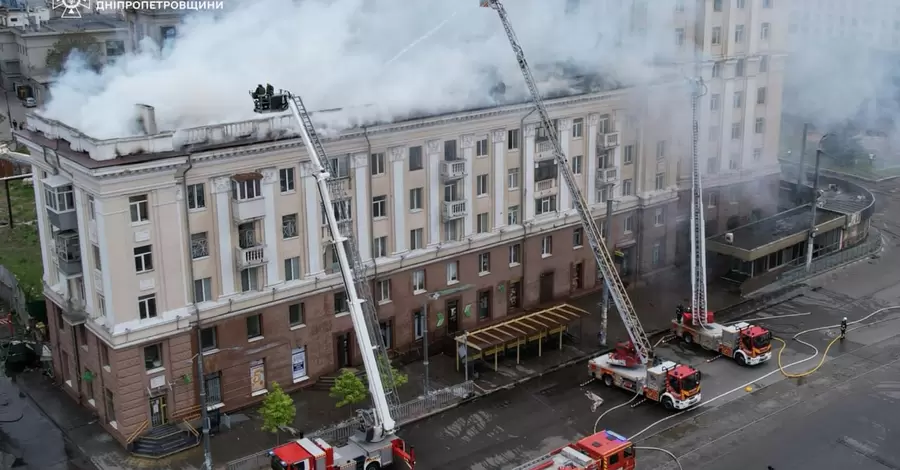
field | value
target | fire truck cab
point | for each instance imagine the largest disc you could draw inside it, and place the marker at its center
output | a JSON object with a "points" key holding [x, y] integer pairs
{"points": [[316, 454], [604, 450], [747, 344], [676, 386]]}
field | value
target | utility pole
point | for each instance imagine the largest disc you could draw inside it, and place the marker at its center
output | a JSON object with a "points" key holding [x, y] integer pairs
{"points": [[604, 312], [815, 205], [801, 176], [9, 210]]}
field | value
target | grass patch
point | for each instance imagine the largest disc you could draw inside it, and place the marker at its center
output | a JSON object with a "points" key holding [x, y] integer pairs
{"points": [[20, 247], [21, 196]]}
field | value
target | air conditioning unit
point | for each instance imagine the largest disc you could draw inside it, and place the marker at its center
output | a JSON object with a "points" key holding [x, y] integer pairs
{"points": [[729, 237]]}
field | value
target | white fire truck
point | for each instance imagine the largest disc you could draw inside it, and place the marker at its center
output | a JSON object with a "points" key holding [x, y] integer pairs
{"points": [[747, 344]]}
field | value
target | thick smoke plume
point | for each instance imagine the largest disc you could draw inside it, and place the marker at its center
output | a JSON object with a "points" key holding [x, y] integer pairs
{"points": [[377, 59]]}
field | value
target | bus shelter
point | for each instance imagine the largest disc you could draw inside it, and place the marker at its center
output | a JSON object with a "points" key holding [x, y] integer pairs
{"points": [[490, 341]]}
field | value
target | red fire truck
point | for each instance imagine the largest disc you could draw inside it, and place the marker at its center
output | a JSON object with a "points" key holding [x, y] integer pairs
{"points": [[316, 454], [604, 450], [747, 344]]}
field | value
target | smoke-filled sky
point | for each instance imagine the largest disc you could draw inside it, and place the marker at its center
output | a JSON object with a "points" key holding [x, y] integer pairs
{"points": [[391, 57]]}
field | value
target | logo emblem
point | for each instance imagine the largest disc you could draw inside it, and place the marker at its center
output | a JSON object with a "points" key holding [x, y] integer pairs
{"points": [[71, 8]]}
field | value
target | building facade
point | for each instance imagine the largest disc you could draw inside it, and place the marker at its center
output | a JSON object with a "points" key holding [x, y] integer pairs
{"points": [[140, 234]]}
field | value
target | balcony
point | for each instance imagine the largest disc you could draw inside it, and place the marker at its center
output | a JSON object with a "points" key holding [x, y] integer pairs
{"points": [[543, 151], [59, 198], [607, 176], [243, 210], [250, 257], [607, 141], [340, 186], [455, 209], [453, 169], [68, 253], [545, 188]]}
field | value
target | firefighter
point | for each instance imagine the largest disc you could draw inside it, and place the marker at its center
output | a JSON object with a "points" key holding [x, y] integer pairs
{"points": [[679, 313], [843, 328]]}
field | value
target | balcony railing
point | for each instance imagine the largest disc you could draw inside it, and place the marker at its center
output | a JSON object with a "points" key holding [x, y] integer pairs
{"points": [[607, 176], [199, 247], [68, 252], [243, 210], [249, 257], [544, 188], [453, 169], [543, 151], [607, 141], [455, 209]]}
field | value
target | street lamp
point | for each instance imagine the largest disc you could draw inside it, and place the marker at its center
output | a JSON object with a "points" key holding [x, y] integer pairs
{"points": [[433, 296], [815, 204]]}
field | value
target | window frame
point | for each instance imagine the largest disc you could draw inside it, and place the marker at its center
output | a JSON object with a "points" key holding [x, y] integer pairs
{"points": [[147, 308], [287, 180]]}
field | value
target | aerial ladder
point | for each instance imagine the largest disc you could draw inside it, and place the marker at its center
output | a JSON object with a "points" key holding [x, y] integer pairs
{"points": [[745, 343], [674, 385], [377, 445]]}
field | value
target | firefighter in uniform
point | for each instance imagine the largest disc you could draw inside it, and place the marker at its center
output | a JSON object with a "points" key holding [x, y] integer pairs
{"points": [[843, 328]]}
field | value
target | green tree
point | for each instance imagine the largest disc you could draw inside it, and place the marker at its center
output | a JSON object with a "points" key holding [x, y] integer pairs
{"points": [[843, 146], [277, 410], [348, 389], [63, 48], [396, 379]]}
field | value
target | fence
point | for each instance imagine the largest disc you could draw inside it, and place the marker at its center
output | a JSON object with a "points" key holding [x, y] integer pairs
{"points": [[338, 434], [12, 295]]}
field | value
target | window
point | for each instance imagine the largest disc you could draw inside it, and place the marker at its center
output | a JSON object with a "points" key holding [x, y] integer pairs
{"points": [[481, 147], [292, 269], [147, 306], [379, 206], [452, 272], [714, 102], [712, 165], [196, 196], [760, 126], [340, 166], [761, 95], [679, 36], [717, 67], [735, 162], [246, 189], [763, 64], [659, 217], [249, 279], [153, 357], [577, 237], [512, 139], [340, 302], [732, 195], [101, 305], [296, 315], [384, 290], [713, 199], [628, 224], [289, 226], [96, 252], [92, 208], [576, 164], [740, 4], [661, 149], [286, 179], [547, 245], [660, 181], [512, 178], [418, 281], [577, 128], [738, 99], [450, 150], [484, 263], [736, 130], [739, 34], [416, 239], [110, 405], [656, 254], [452, 230], [515, 254], [482, 225], [484, 304], [679, 6], [717, 5], [387, 328], [199, 245], [143, 259], [481, 185], [716, 38], [739, 68], [376, 164], [627, 187], [767, 3], [415, 158], [512, 215], [757, 155], [628, 158], [140, 208], [545, 205], [764, 31], [82, 335], [603, 194], [418, 325], [415, 199], [114, 48], [379, 246], [254, 326], [208, 339], [203, 290]]}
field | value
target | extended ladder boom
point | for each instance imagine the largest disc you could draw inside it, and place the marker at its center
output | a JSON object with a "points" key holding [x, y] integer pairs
{"points": [[698, 226], [601, 254]]}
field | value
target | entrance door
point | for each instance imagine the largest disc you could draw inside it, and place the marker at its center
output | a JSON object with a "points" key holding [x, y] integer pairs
{"points": [[546, 287], [452, 316], [344, 350], [158, 411]]}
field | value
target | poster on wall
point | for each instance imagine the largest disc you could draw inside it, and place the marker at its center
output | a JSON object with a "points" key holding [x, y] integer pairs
{"points": [[298, 363], [257, 376]]}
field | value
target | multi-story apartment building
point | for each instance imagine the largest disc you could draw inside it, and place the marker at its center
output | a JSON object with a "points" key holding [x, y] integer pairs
{"points": [[142, 236], [874, 24]]}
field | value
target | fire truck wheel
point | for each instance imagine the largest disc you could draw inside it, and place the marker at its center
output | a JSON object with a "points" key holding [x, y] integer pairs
{"points": [[740, 358], [373, 466], [668, 404], [607, 380], [688, 339]]}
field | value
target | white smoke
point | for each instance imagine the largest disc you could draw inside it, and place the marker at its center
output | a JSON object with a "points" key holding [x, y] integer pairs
{"points": [[384, 59]]}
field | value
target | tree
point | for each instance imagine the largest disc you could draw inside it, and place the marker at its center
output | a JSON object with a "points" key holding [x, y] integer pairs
{"points": [[843, 146], [396, 379], [85, 44], [278, 410], [348, 389]]}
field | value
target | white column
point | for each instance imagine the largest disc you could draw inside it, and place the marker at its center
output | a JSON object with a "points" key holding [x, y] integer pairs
{"points": [[468, 144], [272, 227], [222, 188], [398, 173], [499, 139], [727, 115], [313, 227], [528, 172], [616, 126], [753, 30], [563, 128], [182, 244], [84, 242], [591, 160], [433, 157], [42, 221], [360, 164], [105, 261], [704, 121], [749, 121]]}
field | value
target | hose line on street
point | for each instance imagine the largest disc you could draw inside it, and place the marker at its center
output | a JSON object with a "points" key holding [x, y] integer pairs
{"points": [[597, 423], [659, 449], [789, 375]]}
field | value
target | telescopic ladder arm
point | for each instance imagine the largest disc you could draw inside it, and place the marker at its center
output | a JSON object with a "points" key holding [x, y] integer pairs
{"points": [[604, 261], [698, 225]]}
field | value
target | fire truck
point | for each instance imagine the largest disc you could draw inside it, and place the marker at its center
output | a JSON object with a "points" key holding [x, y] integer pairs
{"points": [[604, 450], [672, 384], [747, 344], [375, 446]]}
